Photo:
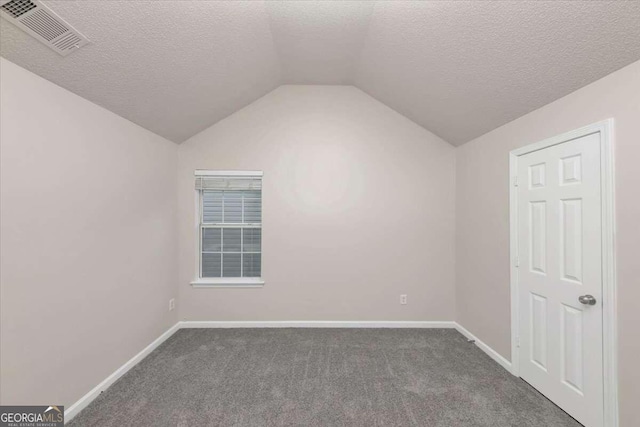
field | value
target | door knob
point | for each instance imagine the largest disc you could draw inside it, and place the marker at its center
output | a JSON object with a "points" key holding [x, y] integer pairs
{"points": [[587, 299]]}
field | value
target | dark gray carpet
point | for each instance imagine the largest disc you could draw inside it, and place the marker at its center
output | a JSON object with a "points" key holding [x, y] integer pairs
{"points": [[320, 377]]}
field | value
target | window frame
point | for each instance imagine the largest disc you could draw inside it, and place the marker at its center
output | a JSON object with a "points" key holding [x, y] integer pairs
{"points": [[234, 282]]}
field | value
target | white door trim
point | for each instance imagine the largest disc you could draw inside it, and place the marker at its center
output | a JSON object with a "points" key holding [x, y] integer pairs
{"points": [[610, 345]]}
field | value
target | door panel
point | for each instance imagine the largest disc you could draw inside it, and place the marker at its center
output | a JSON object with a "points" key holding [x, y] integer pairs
{"points": [[539, 331], [571, 351], [538, 230], [571, 239], [559, 248]]}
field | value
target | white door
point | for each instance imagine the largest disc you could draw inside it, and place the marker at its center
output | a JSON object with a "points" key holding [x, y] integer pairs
{"points": [[560, 275]]}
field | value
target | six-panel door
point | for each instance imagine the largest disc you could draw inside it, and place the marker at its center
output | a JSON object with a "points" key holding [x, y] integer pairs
{"points": [[560, 259]]}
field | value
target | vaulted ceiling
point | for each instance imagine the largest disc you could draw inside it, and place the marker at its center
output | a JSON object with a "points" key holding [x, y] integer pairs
{"points": [[458, 68]]}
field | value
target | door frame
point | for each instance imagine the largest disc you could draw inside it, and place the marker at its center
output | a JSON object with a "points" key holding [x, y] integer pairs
{"points": [[609, 327]]}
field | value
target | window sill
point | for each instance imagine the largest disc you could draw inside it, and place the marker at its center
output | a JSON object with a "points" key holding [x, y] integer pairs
{"points": [[242, 282]]}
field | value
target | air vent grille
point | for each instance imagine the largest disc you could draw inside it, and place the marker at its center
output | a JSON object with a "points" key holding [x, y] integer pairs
{"points": [[39, 21], [43, 24], [17, 8], [67, 42]]}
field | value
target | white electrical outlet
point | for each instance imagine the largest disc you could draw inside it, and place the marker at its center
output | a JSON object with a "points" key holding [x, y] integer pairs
{"points": [[403, 299], [172, 304]]}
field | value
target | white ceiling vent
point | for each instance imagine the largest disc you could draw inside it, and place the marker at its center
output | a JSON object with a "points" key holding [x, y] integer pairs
{"points": [[38, 20]]}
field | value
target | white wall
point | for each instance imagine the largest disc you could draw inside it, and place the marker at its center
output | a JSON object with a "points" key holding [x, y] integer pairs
{"points": [[358, 209], [482, 227], [88, 240]]}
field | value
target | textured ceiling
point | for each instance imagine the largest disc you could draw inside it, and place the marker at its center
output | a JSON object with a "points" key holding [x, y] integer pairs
{"points": [[460, 69]]}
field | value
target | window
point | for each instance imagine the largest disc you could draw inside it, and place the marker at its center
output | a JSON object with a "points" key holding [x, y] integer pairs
{"points": [[230, 227]]}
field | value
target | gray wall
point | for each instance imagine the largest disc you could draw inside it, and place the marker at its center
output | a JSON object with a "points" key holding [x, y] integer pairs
{"points": [[88, 240], [482, 226], [358, 209]]}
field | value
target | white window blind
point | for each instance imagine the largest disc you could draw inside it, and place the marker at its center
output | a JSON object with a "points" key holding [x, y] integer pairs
{"points": [[230, 226]]}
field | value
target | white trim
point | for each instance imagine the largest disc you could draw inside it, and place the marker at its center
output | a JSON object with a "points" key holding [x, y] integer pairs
{"points": [[85, 400], [228, 282], [198, 221], [609, 326], [513, 260], [202, 172], [316, 324], [609, 282], [502, 361]]}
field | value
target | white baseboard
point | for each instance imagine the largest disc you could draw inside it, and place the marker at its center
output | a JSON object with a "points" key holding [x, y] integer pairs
{"points": [[490, 352], [317, 324], [85, 400]]}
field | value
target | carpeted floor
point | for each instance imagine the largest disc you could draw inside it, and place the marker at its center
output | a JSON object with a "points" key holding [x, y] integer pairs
{"points": [[320, 377]]}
